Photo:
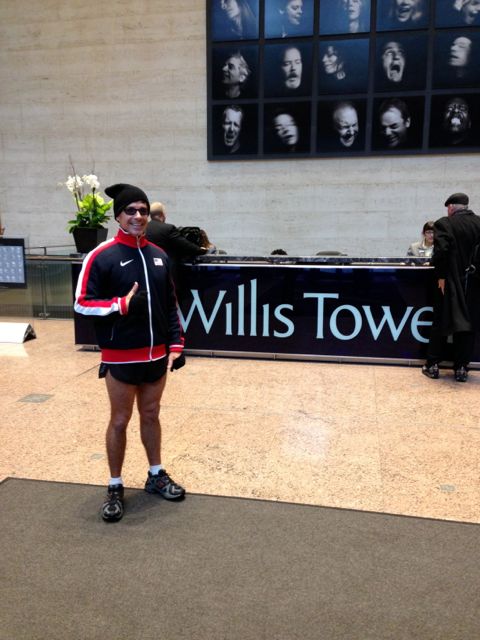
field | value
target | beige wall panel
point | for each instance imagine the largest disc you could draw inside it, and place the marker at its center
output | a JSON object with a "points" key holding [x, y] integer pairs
{"points": [[121, 86]]}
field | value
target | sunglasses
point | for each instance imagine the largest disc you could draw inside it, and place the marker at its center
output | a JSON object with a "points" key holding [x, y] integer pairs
{"points": [[131, 211]]}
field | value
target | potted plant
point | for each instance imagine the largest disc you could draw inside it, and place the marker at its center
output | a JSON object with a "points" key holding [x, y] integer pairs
{"points": [[92, 212]]}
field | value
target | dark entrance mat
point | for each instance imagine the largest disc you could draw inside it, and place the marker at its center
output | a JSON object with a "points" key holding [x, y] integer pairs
{"points": [[215, 568]]}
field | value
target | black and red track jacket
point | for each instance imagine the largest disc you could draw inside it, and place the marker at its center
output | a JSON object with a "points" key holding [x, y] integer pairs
{"points": [[108, 274]]}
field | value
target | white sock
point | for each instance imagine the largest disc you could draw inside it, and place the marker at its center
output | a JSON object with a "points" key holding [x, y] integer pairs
{"points": [[155, 468], [114, 481]]}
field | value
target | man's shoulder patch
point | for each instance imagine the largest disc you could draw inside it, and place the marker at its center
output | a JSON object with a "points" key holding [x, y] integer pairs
{"points": [[158, 262]]}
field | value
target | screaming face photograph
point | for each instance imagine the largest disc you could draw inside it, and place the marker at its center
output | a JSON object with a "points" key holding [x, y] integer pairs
{"points": [[306, 78]]}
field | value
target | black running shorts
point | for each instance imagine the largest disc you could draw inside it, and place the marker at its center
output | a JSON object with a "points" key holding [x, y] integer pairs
{"points": [[136, 373]]}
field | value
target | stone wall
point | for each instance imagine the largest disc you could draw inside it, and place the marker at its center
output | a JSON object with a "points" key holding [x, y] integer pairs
{"points": [[120, 87]]}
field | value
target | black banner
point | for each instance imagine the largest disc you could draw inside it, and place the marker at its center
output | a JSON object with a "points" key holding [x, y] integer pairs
{"points": [[377, 312], [330, 311]]}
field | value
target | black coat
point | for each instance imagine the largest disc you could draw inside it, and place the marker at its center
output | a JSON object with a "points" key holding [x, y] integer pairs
{"points": [[455, 238], [169, 238]]}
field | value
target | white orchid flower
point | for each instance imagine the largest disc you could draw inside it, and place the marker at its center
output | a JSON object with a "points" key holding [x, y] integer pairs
{"points": [[92, 181], [73, 183]]}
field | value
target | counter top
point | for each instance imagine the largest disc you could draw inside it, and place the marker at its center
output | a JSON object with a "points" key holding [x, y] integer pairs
{"points": [[266, 260]]}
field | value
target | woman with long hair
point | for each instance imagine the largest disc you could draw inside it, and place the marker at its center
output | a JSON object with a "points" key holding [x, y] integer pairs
{"points": [[234, 19]]}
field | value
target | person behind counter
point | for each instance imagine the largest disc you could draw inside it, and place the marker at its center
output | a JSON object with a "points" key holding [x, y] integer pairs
{"points": [[126, 286], [209, 246], [168, 237], [424, 247]]}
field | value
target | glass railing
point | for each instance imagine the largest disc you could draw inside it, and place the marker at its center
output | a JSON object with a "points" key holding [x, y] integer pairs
{"points": [[48, 293], [67, 250]]}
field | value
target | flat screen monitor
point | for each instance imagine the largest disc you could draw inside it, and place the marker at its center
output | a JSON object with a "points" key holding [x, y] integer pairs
{"points": [[13, 271]]}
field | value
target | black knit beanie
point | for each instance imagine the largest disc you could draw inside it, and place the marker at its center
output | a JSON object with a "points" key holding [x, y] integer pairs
{"points": [[123, 195]]}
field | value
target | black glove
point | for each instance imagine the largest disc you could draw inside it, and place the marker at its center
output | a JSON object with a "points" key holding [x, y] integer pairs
{"points": [[178, 363], [138, 306]]}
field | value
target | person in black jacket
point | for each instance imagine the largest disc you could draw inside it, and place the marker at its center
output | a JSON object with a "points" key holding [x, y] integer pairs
{"points": [[168, 237], [125, 285], [457, 297]]}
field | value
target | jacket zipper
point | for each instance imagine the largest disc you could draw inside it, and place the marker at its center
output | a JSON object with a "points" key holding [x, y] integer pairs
{"points": [[148, 297]]}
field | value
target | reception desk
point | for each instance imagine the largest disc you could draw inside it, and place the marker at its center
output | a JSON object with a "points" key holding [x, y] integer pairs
{"points": [[322, 308]]}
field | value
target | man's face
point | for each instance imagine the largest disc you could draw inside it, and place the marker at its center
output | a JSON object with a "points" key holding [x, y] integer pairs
{"points": [[393, 61], [330, 60], [456, 118], [292, 68], [345, 121], [231, 8], [135, 221], [294, 11], [394, 127], [232, 73], [470, 11], [286, 129], [404, 9], [232, 124], [460, 52]]}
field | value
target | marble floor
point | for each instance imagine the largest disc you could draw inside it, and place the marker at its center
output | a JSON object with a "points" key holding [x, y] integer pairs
{"points": [[371, 437]]}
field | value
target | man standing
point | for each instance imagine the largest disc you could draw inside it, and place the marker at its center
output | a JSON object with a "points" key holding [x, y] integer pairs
{"points": [[457, 295], [168, 237], [125, 285]]}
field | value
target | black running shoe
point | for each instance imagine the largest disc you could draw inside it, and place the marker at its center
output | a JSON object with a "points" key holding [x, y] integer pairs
{"points": [[461, 374], [431, 372], [162, 484], [112, 508]]}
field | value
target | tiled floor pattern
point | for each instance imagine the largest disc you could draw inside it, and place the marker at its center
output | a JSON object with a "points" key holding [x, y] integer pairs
{"points": [[370, 437]]}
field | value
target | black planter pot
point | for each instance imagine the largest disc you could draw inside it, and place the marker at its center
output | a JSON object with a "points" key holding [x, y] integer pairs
{"points": [[87, 239]]}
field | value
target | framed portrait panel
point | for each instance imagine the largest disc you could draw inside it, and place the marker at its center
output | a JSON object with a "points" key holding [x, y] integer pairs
{"points": [[288, 69], [393, 15], [398, 123], [318, 78], [344, 16], [287, 128], [457, 13], [235, 130], [341, 126], [234, 72], [401, 62], [456, 59], [288, 18], [454, 121], [234, 19], [343, 66]]}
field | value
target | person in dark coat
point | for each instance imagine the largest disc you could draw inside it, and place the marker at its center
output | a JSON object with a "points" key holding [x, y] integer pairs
{"points": [[457, 296], [168, 237]]}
